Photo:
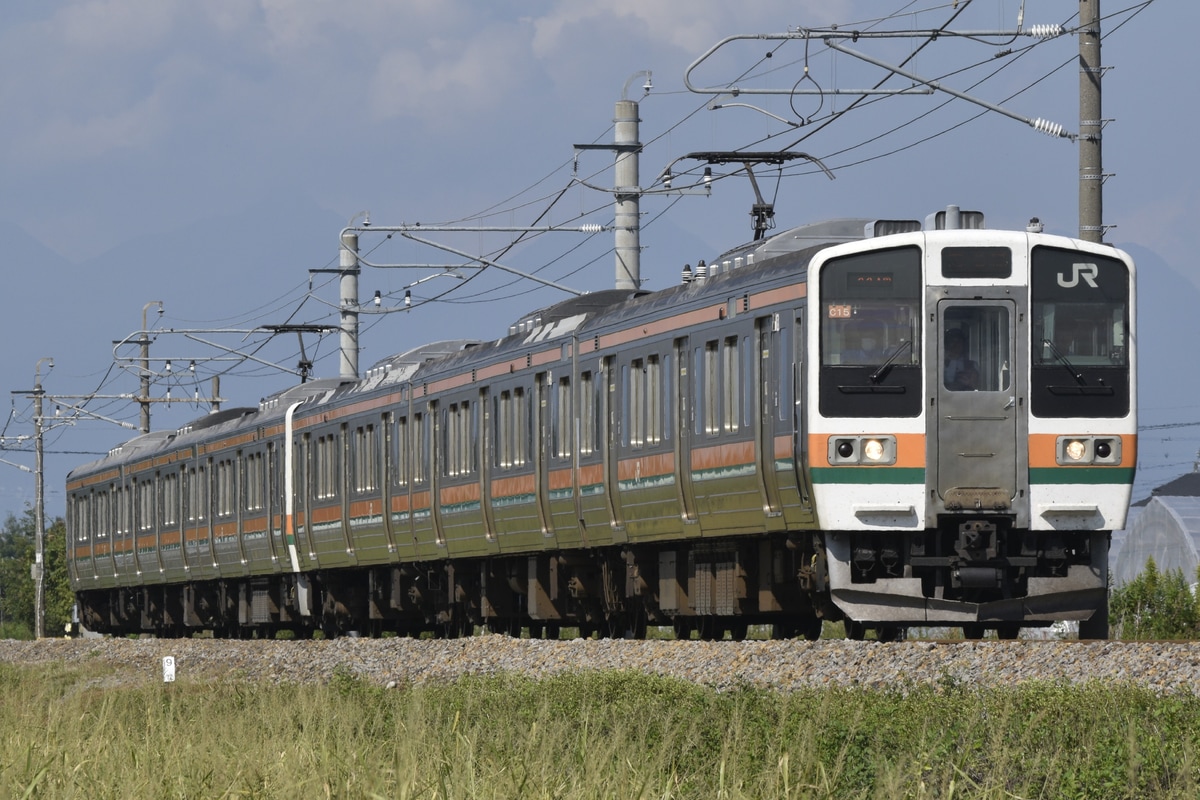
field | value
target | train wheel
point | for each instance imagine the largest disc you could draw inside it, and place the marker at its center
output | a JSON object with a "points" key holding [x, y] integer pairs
{"points": [[973, 630], [1009, 630], [738, 630], [638, 626], [683, 627], [891, 633], [552, 632], [1097, 627], [812, 629], [855, 630]]}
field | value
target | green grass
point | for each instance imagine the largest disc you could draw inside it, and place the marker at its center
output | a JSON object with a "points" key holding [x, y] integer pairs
{"points": [[72, 732]]}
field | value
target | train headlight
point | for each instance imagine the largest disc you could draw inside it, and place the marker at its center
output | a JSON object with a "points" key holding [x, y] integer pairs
{"points": [[862, 450], [1085, 450]]}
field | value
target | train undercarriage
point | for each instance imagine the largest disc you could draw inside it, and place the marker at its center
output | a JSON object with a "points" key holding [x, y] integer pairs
{"points": [[978, 575]]}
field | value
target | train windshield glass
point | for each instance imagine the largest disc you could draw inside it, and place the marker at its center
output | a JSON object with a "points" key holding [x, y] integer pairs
{"points": [[1080, 320], [870, 309], [1080, 308]]}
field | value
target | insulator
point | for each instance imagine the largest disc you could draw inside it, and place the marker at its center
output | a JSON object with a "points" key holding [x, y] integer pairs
{"points": [[591, 228], [687, 273], [1046, 31], [1047, 127]]}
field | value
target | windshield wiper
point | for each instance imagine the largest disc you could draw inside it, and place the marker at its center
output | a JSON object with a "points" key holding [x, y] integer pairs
{"points": [[1067, 365], [880, 372]]}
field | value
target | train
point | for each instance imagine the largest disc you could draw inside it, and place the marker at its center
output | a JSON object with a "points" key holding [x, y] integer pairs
{"points": [[881, 422]]}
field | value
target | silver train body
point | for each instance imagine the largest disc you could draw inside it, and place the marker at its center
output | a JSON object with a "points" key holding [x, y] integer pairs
{"points": [[855, 420]]}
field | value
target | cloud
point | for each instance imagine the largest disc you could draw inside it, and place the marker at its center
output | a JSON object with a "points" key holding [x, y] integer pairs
{"points": [[690, 26], [460, 77]]}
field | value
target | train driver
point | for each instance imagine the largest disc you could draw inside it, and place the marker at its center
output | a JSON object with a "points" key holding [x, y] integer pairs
{"points": [[960, 374], [865, 340]]}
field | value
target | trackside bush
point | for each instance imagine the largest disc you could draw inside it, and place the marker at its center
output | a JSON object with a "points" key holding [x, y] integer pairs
{"points": [[1156, 605]]}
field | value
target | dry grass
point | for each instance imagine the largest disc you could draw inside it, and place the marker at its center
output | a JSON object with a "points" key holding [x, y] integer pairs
{"points": [[66, 732]]}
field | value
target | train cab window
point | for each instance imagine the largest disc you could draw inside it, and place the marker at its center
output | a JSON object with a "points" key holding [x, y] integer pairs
{"points": [[869, 338], [976, 349], [1080, 319]]}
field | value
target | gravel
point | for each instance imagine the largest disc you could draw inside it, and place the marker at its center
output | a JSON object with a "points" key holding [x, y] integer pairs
{"points": [[1162, 667]]}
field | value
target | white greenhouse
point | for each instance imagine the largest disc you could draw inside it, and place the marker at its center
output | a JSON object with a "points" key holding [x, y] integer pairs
{"points": [[1165, 527]]}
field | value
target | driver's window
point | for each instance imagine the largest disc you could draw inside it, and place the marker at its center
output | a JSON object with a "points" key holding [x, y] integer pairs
{"points": [[976, 350]]}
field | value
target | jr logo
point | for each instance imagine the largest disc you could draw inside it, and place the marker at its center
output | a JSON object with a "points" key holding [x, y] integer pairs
{"points": [[1086, 271]]}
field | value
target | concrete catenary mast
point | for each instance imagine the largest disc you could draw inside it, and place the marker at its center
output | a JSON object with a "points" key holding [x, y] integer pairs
{"points": [[348, 289], [627, 219]]}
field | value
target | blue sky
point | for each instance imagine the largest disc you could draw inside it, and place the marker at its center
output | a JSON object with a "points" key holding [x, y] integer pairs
{"points": [[208, 154]]}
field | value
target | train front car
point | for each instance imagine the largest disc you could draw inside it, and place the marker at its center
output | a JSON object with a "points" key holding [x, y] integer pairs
{"points": [[972, 427]]}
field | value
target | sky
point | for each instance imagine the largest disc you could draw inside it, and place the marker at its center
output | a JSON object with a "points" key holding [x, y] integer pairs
{"points": [[203, 158]]}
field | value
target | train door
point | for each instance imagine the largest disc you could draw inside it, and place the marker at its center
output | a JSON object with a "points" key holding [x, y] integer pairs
{"points": [[766, 386], [683, 432], [484, 458], [274, 506], [796, 369], [436, 458], [541, 450], [610, 420], [975, 394]]}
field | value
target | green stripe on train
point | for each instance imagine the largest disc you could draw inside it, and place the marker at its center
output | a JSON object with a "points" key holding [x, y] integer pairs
{"points": [[868, 475], [1114, 475]]}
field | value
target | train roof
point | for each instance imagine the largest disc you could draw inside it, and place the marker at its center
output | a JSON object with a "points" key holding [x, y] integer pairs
{"points": [[819, 235], [788, 250], [578, 306]]}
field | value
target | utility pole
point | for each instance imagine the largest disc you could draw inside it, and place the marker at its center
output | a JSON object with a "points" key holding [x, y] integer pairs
{"points": [[39, 559], [1091, 124], [144, 398], [38, 569]]}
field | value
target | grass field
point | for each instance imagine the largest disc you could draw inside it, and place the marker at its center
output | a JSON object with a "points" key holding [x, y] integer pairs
{"points": [[77, 732]]}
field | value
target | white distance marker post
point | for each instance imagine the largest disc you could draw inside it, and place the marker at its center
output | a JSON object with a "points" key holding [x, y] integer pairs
{"points": [[168, 669]]}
